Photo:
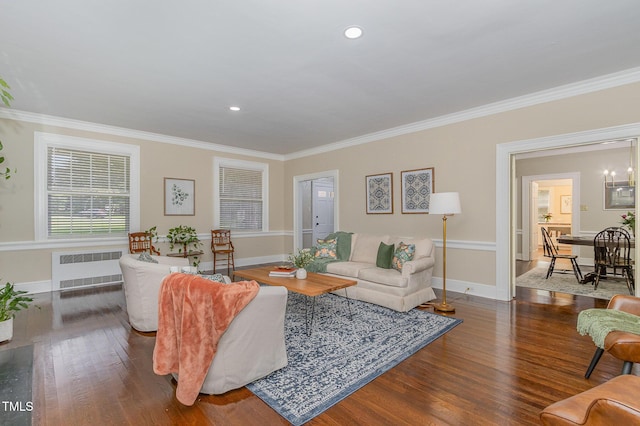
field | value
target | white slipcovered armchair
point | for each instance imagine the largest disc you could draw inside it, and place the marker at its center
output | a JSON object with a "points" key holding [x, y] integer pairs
{"points": [[252, 347], [142, 282]]}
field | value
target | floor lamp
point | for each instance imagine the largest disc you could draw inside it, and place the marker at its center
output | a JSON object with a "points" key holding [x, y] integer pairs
{"points": [[446, 204]]}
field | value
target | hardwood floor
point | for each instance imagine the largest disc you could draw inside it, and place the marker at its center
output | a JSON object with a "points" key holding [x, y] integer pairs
{"points": [[504, 364]]}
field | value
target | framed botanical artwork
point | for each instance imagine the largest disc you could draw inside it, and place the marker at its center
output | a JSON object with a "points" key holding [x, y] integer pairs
{"points": [[565, 204], [619, 196], [179, 197], [379, 193], [417, 186]]}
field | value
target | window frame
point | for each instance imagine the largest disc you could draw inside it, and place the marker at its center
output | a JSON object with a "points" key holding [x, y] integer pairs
{"points": [[42, 142], [219, 162]]}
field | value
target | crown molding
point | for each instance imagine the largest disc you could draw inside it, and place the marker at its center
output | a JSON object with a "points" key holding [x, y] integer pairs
{"points": [[561, 92], [49, 120], [557, 93]]}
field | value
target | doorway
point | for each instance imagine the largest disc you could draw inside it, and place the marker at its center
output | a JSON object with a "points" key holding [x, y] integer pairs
{"points": [[506, 193], [551, 201], [315, 207]]}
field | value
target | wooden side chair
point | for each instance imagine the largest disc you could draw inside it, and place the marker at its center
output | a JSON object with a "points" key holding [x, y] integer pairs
{"points": [[612, 254], [551, 252], [222, 249], [140, 242]]}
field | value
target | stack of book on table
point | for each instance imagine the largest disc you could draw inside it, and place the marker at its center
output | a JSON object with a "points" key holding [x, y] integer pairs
{"points": [[282, 271]]}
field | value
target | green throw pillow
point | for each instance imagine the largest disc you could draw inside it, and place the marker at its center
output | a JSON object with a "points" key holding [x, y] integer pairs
{"points": [[385, 255], [403, 253]]}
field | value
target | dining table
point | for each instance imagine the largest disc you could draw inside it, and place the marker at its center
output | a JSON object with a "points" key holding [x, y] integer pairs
{"points": [[580, 240]]}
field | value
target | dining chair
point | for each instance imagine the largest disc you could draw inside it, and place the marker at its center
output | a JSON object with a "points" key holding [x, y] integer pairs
{"points": [[222, 249], [140, 242], [612, 254], [551, 251]]}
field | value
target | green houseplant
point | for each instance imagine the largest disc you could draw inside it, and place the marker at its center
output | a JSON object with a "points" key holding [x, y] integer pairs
{"points": [[186, 238], [11, 301]]}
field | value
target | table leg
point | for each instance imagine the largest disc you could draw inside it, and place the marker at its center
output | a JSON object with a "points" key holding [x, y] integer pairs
{"points": [[309, 322], [348, 304]]}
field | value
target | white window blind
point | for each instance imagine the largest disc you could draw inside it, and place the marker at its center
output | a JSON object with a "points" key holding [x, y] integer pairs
{"points": [[241, 198], [88, 193]]}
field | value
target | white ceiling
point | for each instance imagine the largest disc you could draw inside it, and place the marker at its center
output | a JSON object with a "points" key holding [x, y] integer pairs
{"points": [[174, 68]]}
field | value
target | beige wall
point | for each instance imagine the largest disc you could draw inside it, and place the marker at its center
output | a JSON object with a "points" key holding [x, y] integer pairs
{"points": [[463, 154], [158, 160], [464, 157]]}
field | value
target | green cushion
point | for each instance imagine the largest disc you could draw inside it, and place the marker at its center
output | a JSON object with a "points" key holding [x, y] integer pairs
{"points": [[385, 255]]}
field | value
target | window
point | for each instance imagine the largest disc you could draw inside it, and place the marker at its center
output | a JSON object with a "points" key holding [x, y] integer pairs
{"points": [[85, 188], [240, 195]]}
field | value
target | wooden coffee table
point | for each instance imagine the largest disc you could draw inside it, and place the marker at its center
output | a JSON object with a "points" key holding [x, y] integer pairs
{"points": [[314, 285]]}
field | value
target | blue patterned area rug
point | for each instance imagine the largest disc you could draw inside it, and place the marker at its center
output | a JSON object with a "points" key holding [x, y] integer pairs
{"points": [[342, 354]]}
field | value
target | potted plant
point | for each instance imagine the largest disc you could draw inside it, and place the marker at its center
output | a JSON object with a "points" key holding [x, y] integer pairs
{"points": [[629, 220], [185, 237], [11, 301], [301, 260]]}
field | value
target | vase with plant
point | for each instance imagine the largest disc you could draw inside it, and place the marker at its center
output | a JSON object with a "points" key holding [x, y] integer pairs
{"points": [[629, 221], [186, 238], [301, 260], [11, 301], [547, 217]]}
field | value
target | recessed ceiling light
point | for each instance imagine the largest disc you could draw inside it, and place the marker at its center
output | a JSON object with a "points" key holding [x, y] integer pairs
{"points": [[234, 108], [353, 32]]}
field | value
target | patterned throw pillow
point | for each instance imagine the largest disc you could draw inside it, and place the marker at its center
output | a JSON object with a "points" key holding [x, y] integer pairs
{"points": [[219, 278], [326, 249], [146, 257], [404, 253]]}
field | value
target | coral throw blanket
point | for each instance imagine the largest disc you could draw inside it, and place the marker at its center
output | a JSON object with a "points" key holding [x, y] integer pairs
{"points": [[193, 313]]}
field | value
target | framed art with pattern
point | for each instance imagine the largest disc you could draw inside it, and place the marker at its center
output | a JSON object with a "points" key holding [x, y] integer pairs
{"points": [[417, 186], [179, 197], [379, 193]]}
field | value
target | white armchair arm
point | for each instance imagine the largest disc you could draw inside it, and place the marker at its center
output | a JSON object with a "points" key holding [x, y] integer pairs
{"points": [[417, 265]]}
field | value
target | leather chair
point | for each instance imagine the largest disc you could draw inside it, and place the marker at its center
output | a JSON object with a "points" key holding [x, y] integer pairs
{"points": [[612, 403], [620, 344], [141, 286]]}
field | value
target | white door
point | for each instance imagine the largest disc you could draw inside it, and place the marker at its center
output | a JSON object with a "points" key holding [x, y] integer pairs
{"points": [[322, 195]]}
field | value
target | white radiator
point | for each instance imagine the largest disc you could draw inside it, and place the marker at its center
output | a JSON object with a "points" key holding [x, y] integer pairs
{"points": [[85, 268]]}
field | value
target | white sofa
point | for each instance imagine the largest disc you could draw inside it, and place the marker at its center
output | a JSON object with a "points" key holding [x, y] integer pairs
{"points": [[400, 291], [141, 286]]}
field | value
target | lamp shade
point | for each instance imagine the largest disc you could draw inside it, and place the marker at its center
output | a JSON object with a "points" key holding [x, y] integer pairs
{"points": [[444, 203]]}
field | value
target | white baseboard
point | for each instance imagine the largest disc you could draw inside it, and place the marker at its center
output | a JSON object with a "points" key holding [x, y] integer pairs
{"points": [[35, 286], [467, 287]]}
